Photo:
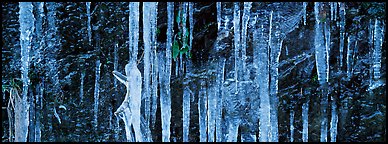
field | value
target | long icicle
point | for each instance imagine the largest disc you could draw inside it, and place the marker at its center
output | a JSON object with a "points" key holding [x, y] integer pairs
{"points": [[148, 13], [26, 20], [89, 20], [96, 94], [342, 32], [187, 93], [147, 53], [275, 50], [40, 88], [261, 47], [292, 124], [202, 108], [321, 57], [304, 12], [305, 119], [244, 35], [155, 68], [219, 82], [236, 25], [165, 100]]}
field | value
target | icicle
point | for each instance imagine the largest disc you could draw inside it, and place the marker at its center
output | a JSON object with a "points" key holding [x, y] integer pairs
{"points": [[286, 51], [275, 44], [244, 34], [342, 31], [261, 59], [176, 67], [81, 89], [211, 113], [378, 42], [40, 44], [149, 16], [202, 108], [186, 111], [165, 99], [191, 21], [57, 116], [133, 29], [155, 71], [187, 93], [96, 93], [304, 12], [320, 48], [184, 32], [26, 21], [327, 49], [89, 20], [349, 54], [331, 10], [355, 49], [236, 25], [219, 91], [218, 15], [334, 120], [115, 63], [38, 131], [129, 110], [305, 119], [321, 58], [291, 125], [335, 10], [370, 41], [127, 123]]}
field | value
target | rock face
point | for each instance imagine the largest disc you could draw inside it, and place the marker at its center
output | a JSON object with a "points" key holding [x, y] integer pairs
{"points": [[250, 66]]}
